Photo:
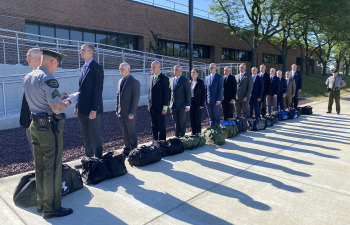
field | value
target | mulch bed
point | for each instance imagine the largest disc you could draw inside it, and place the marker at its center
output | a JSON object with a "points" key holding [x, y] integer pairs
{"points": [[16, 156]]}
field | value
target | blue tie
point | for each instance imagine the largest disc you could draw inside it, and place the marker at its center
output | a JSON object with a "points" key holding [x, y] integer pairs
{"points": [[211, 79], [175, 82]]}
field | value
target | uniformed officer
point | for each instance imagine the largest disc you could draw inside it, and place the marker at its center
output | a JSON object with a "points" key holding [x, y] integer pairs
{"points": [[334, 84], [45, 103]]}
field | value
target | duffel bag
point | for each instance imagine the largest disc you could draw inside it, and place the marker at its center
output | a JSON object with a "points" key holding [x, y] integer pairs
{"points": [[193, 141], [306, 110], [230, 131], [256, 124], [94, 170], [269, 121], [215, 135], [275, 114], [170, 147], [145, 155], [25, 194], [242, 124], [226, 123], [299, 110], [283, 115], [115, 163], [292, 113]]}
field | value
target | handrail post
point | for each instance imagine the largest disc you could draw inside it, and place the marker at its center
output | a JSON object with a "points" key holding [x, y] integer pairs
{"points": [[103, 59], [78, 55], [19, 61], [98, 54], [3, 46], [4, 96], [162, 61], [57, 45], [144, 62], [123, 57]]}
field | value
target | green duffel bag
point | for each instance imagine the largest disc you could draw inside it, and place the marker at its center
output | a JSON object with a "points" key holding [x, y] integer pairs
{"points": [[193, 141], [215, 135], [235, 131], [230, 131]]}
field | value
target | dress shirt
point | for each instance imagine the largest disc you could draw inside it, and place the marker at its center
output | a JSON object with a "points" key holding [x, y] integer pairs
{"points": [[193, 85]]}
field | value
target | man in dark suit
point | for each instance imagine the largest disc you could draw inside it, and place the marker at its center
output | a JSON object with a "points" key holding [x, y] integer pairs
{"points": [[274, 88], [298, 77], [282, 91], [229, 93], [244, 89], [89, 103], [213, 88], [128, 96], [158, 100], [34, 59], [267, 83], [256, 94], [180, 100], [198, 97]]}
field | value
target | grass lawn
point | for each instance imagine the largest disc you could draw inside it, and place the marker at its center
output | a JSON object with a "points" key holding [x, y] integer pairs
{"points": [[314, 87]]}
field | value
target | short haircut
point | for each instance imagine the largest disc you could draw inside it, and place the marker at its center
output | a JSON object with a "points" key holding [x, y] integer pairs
{"points": [[195, 70], [124, 64], [243, 64], [212, 64], [156, 62], [227, 67], [287, 72], [47, 58], [91, 47], [263, 65], [254, 68], [294, 65], [279, 71], [273, 69], [178, 66], [35, 51]]}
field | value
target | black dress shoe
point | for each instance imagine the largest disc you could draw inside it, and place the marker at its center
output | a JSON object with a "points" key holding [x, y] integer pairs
{"points": [[40, 209], [329, 112], [338, 112], [78, 167], [57, 213]]}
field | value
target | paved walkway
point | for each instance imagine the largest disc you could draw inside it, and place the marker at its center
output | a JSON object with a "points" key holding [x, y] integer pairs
{"points": [[296, 172]]}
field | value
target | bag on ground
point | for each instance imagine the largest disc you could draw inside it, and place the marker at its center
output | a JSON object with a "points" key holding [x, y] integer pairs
{"points": [[269, 121], [115, 163], [215, 135], [241, 123], [230, 131], [94, 170], [193, 141], [145, 155], [292, 113], [226, 123], [256, 124], [283, 115], [306, 110], [170, 147], [71, 180]]}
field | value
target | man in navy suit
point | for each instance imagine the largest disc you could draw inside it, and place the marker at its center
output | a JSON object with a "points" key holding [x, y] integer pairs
{"points": [[274, 88], [89, 103], [298, 77], [257, 93], [158, 100], [266, 78], [228, 94], [282, 91], [213, 88]]}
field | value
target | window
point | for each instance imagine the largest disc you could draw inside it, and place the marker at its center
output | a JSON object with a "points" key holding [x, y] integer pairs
{"points": [[236, 54], [271, 58], [172, 48], [318, 63], [72, 33]]}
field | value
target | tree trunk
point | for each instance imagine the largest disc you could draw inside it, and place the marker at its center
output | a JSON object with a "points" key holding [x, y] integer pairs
{"points": [[307, 65], [337, 64], [324, 70], [347, 69], [284, 61], [254, 57]]}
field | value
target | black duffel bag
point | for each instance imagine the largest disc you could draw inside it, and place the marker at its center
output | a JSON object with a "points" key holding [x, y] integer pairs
{"points": [[269, 121], [94, 170], [256, 124], [241, 122], [145, 155], [115, 163], [172, 146], [306, 110], [25, 193], [292, 113]]}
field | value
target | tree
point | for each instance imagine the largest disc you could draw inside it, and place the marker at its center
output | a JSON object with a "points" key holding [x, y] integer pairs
{"points": [[152, 47]]}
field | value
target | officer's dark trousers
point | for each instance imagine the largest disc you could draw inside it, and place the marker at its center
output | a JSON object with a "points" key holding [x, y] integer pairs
{"points": [[179, 117], [227, 109], [240, 105], [92, 135], [48, 165], [254, 104], [30, 140], [336, 96], [158, 124], [295, 100], [262, 105], [213, 114], [196, 118], [129, 131], [280, 102]]}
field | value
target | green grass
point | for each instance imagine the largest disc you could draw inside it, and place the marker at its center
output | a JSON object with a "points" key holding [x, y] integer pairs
{"points": [[315, 89]]}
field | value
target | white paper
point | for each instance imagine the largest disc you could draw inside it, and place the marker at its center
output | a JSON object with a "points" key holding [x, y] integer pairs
{"points": [[71, 96]]}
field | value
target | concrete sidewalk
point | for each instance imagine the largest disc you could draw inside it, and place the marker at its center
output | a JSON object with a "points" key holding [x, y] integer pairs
{"points": [[296, 172]]}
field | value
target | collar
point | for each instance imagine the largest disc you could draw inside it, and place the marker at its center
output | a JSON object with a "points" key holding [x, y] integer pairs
{"points": [[44, 69], [126, 77], [177, 78], [242, 74], [212, 74], [272, 76], [156, 75], [88, 63]]}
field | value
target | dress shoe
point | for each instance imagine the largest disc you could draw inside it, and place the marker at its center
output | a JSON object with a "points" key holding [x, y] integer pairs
{"points": [[78, 167], [40, 209], [338, 113], [329, 112], [57, 213]]}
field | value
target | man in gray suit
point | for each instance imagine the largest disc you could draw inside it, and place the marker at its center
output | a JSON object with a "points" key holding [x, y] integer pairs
{"points": [[180, 100], [244, 89], [291, 88], [128, 97]]}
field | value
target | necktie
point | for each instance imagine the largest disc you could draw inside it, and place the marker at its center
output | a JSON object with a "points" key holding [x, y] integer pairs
{"points": [[122, 85], [211, 79], [154, 80], [271, 79], [261, 75], [83, 71], [175, 82]]}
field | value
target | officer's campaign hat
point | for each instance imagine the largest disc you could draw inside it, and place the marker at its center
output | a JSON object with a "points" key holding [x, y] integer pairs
{"points": [[54, 54]]}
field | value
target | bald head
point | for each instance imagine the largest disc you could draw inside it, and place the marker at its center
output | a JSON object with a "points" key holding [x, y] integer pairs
{"points": [[34, 57]]}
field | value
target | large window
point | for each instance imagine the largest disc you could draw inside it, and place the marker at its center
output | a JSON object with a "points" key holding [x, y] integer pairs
{"points": [[236, 54], [73, 33], [271, 58], [173, 48]]}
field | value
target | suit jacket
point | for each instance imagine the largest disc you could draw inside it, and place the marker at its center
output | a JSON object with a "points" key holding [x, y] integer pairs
{"points": [[159, 93], [90, 88], [291, 87], [283, 87], [267, 84], [180, 96], [128, 99], [230, 89], [24, 119], [298, 77], [258, 88], [275, 85], [199, 93], [214, 90], [244, 87]]}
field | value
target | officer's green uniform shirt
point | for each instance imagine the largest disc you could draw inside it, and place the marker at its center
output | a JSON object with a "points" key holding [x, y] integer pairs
{"points": [[338, 82], [41, 89]]}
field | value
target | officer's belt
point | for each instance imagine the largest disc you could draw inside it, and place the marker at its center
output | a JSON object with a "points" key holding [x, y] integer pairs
{"points": [[49, 118], [334, 89]]}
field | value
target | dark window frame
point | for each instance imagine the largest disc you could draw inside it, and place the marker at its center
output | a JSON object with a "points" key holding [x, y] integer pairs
{"points": [[233, 54], [271, 58], [163, 42]]}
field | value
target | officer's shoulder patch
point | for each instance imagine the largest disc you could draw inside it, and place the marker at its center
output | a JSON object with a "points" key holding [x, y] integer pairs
{"points": [[53, 83], [55, 93]]}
